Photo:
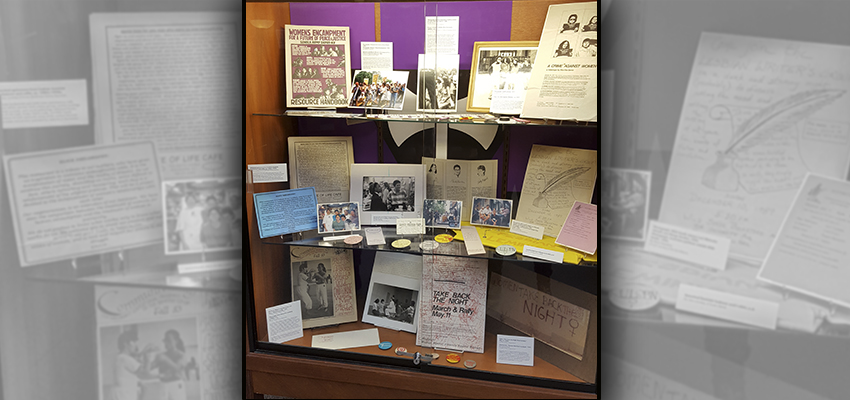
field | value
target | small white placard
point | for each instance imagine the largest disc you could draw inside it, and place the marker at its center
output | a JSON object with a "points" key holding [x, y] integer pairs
{"points": [[543, 254], [374, 236], [284, 322], [266, 173], [336, 238], [410, 226], [384, 219], [376, 56], [687, 245], [188, 268], [472, 240], [727, 306], [507, 102], [526, 229], [516, 350], [35, 104], [347, 340]]}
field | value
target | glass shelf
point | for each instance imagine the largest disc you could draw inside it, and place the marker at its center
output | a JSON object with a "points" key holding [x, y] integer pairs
{"points": [[443, 118]]}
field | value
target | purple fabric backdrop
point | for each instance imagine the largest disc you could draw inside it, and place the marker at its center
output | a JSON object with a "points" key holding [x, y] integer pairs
{"points": [[404, 25], [359, 17]]}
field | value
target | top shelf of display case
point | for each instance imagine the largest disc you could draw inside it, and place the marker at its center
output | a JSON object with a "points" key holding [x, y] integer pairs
{"points": [[439, 118]]}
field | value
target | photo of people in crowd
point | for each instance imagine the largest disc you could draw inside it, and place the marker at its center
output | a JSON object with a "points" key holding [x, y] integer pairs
{"points": [[491, 212], [313, 285], [378, 89], [389, 193], [437, 82], [202, 215], [442, 213], [152, 360], [393, 303], [338, 217], [506, 67]]}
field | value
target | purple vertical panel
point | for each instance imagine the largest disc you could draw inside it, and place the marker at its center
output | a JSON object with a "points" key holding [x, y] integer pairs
{"points": [[404, 25], [359, 17]]}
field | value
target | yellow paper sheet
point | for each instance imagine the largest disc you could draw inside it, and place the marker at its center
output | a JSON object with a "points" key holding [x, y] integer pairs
{"points": [[494, 237]]}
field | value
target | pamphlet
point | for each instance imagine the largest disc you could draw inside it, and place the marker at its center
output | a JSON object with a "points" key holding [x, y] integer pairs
{"points": [[318, 66]]}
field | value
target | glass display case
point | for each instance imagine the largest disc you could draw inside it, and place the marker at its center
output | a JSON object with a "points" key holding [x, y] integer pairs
{"points": [[303, 366]]}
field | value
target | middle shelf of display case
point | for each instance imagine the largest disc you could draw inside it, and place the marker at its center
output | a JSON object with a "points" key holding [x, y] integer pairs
{"points": [[429, 118]]}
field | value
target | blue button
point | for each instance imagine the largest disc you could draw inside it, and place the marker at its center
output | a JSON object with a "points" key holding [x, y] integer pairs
{"points": [[385, 345]]}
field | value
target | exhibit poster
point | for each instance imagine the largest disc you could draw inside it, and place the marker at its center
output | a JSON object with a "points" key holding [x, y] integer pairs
{"points": [[437, 77], [164, 327], [394, 291], [323, 163], [83, 201], [202, 215], [285, 211], [323, 279], [460, 179], [318, 66], [189, 106], [758, 115], [555, 178], [383, 90], [563, 83], [810, 253], [454, 303]]}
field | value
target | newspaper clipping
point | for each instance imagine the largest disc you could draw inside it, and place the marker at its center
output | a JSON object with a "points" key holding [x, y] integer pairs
{"points": [[317, 66]]}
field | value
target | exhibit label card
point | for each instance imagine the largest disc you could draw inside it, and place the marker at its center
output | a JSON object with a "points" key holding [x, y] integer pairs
{"points": [[285, 211], [507, 102], [267, 173], [516, 350], [684, 244], [374, 236], [526, 229], [376, 56], [410, 226], [810, 253], [731, 307], [86, 200], [472, 240], [347, 340], [580, 228], [284, 322], [543, 254], [34, 104]]}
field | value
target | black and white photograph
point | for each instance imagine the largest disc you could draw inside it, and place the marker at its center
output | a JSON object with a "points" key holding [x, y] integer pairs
{"points": [[626, 203], [498, 66], [378, 89], [313, 285], [391, 302], [338, 217], [491, 212], [442, 213], [438, 80], [389, 193], [150, 360], [202, 215]]}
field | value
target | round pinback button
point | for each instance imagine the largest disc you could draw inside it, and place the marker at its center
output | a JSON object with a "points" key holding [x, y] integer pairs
{"points": [[634, 297], [469, 364], [401, 243], [444, 238], [385, 345], [428, 245], [505, 250], [399, 350], [453, 358], [353, 239], [434, 356]]}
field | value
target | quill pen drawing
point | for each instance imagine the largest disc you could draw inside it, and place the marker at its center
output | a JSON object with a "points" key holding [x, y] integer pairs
{"points": [[757, 129], [561, 179]]}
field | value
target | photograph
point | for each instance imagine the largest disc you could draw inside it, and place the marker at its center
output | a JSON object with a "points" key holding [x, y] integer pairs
{"points": [[389, 193], [378, 89], [626, 203], [150, 360], [438, 79], [202, 215], [491, 212], [313, 285], [391, 302], [442, 213], [498, 66], [338, 217]]}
